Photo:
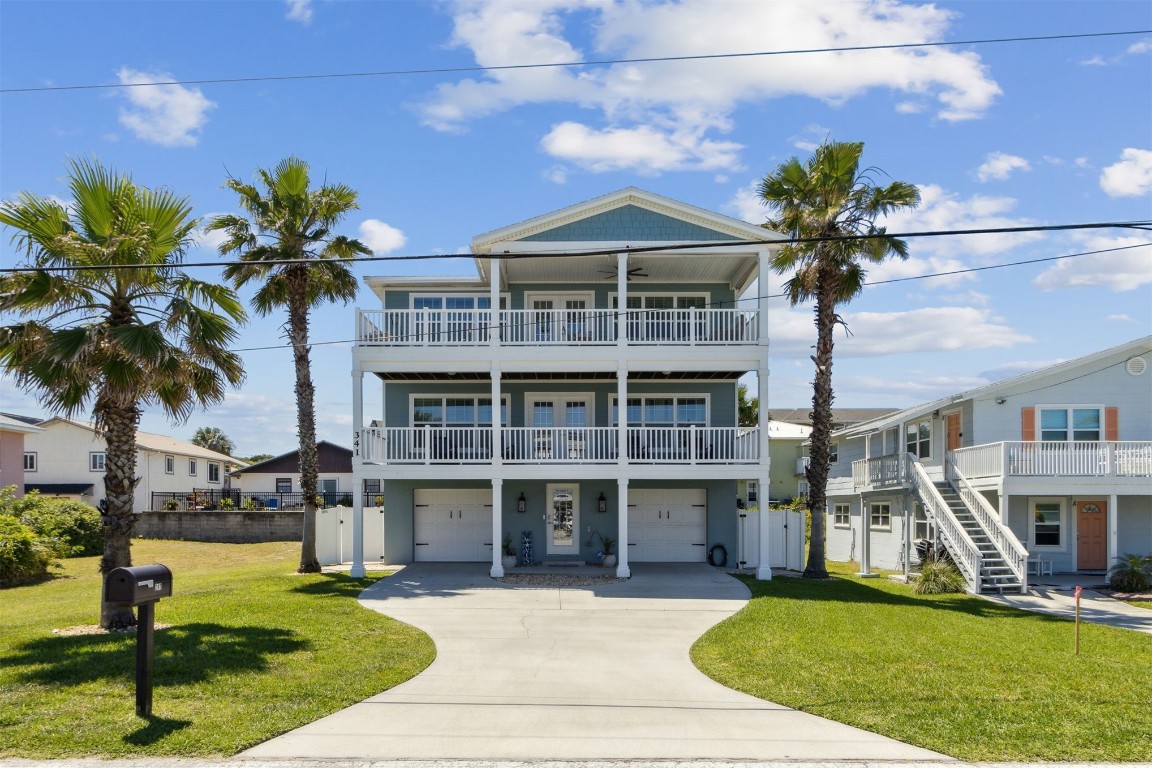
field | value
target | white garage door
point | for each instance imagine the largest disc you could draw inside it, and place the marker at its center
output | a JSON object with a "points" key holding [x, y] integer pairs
{"points": [[667, 526], [453, 525]]}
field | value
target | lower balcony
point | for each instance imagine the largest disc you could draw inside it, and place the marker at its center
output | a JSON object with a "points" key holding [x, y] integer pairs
{"points": [[560, 445], [881, 472]]}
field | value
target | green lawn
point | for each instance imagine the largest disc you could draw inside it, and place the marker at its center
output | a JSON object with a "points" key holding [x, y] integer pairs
{"points": [[951, 673], [253, 650]]}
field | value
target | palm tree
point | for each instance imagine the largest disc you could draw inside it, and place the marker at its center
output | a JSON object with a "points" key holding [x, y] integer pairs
{"points": [[108, 318], [214, 439], [831, 205], [287, 243]]}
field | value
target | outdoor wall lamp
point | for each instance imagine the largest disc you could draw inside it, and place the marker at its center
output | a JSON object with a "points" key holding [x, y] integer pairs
{"points": [[602, 503], [739, 503], [521, 503]]}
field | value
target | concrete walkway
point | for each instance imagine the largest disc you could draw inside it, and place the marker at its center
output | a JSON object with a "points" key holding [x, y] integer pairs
{"points": [[1094, 607], [592, 673]]}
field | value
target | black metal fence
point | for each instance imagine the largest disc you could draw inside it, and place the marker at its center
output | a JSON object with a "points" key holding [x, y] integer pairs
{"points": [[228, 499]]}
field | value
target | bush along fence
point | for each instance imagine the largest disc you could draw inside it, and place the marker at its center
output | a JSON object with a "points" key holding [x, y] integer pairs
{"points": [[225, 499]]}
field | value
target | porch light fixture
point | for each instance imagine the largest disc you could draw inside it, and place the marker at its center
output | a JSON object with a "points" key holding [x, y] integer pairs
{"points": [[602, 503], [521, 503], [739, 503]]}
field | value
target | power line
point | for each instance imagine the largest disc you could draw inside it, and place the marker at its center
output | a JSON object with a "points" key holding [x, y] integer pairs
{"points": [[489, 328], [544, 254], [589, 63]]}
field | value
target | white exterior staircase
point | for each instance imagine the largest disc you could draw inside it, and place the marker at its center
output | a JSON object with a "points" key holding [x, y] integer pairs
{"points": [[995, 573]]}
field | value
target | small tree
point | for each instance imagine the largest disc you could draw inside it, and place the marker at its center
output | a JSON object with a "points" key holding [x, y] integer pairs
{"points": [[748, 408], [214, 439]]}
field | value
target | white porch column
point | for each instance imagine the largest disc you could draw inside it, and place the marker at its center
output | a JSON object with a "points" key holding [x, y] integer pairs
{"points": [[907, 535], [357, 475], [497, 570], [866, 539], [497, 457], [622, 569], [494, 298], [621, 304], [763, 478]]}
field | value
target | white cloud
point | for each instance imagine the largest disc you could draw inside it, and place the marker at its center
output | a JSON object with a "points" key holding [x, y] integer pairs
{"points": [[1131, 176], [1082, 162], [1144, 46], [1095, 61], [209, 241], [909, 108], [168, 115], [299, 10], [999, 166], [1120, 271], [1120, 318], [660, 116], [557, 174], [810, 138], [1019, 368], [381, 237]]}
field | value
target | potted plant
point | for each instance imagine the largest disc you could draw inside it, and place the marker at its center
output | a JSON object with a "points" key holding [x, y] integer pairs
{"points": [[227, 504], [509, 552], [609, 559]]}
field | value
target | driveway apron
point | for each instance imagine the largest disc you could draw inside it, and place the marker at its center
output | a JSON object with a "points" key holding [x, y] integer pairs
{"points": [[584, 673]]}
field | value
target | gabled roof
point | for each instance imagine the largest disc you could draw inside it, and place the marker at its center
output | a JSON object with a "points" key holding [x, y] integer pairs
{"points": [[335, 453], [783, 430], [841, 417], [148, 441], [1122, 352], [10, 422]]}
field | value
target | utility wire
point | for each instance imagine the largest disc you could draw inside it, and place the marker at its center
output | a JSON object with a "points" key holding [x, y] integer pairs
{"points": [[607, 316], [589, 63], [544, 254]]}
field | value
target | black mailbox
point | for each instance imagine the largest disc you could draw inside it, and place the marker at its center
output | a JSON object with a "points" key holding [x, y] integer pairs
{"points": [[138, 584]]}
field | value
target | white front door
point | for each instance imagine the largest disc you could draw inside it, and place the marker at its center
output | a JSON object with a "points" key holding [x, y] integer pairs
{"points": [[667, 525], [560, 422], [562, 520], [453, 525], [560, 316]]}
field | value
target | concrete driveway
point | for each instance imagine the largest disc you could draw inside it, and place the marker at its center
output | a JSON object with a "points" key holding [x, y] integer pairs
{"points": [[582, 673]]}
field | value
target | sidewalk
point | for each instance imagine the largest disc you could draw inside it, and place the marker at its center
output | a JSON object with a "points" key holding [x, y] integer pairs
{"points": [[1056, 598]]}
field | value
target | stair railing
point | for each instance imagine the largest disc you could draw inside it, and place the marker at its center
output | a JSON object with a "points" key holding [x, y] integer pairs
{"points": [[1006, 543], [964, 551]]}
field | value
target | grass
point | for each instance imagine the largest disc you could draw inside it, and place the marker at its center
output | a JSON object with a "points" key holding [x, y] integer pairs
{"points": [[253, 650], [951, 673]]}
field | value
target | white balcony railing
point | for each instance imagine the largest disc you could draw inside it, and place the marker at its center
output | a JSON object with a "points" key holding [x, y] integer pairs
{"points": [[451, 327], [559, 445], [889, 471], [1055, 459]]}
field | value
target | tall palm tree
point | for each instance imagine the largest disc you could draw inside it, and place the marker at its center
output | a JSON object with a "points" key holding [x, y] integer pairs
{"points": [[287, 243], [107, 317], [829, 202]]}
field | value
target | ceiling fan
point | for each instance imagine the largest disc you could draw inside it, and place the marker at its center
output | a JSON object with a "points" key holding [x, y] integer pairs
{"points": [[611, 274]]}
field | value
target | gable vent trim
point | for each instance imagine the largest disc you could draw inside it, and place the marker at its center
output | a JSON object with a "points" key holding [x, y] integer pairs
{"points": [[1136, 366]]}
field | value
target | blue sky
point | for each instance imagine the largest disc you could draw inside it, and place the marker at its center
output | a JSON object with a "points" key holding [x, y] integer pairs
{"points": [[1010, 134]]}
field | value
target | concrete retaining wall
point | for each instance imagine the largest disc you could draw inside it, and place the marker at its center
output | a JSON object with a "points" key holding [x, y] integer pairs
{"points": [[233, 527]]}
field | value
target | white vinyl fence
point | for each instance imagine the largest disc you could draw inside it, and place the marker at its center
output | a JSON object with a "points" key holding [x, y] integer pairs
{"points": [[785, 539], [334, 534]]}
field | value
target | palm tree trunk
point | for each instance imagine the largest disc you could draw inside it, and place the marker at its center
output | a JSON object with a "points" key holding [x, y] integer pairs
{"points": [[821, 454], [119, 422], [305, 420]]}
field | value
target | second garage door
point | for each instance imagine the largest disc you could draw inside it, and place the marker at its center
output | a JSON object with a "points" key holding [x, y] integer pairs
{"points": [[453, 525], [667, 525]]}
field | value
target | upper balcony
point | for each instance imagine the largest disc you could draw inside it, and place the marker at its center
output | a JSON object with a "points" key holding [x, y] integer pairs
{"points": [[530, 327]]}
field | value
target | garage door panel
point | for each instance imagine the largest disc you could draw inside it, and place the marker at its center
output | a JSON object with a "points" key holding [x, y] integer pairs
{"points": [[452, 525], [667, 525]]}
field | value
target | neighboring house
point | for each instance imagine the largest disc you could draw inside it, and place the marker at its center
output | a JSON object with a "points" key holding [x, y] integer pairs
{"points": [[15, 460], [1049, 471], [786, 450], [570, 389], [275, 482], [70, 463], [841, 417]]}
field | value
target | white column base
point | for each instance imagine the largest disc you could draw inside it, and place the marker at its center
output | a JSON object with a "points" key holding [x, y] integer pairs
{"points": [[357, 571], [497, 571], [623, 572], [764, 572]]}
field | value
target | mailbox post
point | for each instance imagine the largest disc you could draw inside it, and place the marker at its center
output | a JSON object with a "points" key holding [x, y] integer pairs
{"points": [[141, 586]]}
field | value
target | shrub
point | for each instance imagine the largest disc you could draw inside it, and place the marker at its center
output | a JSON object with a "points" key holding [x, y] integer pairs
{"points": [[74, 525], [24, 556], [227, 504], [1132, 573], [939, 577]]}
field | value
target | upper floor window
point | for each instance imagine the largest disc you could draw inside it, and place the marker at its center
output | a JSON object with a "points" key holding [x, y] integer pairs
{"points": [[1070, 423], [30, 462], [192, 467], [456, 411], [169, 465], [833, 453], [664, 411], [213, 472], [283, 485], [96, 461], [918, 439]]}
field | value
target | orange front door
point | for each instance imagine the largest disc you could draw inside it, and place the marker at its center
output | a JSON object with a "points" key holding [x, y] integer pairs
{"points": [[952, 430], [1091, 535]]}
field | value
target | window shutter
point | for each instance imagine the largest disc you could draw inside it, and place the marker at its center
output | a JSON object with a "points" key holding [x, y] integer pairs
{"points": [[1111, 423], [1028, 424]]}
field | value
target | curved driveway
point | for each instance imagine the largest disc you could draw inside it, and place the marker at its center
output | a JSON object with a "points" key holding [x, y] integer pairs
{"points": [[581, 673]]}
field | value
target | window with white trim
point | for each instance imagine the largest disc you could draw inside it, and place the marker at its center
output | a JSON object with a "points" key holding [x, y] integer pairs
{"points": [[213, 472], [1047, 523], [372, 485], [283, 485], [753, 490], [169, 465], [664, 411], [1068, 423], [880, 516], [918, 439], [833, 453], [842, 515], [96, 461], [192, 467], [921, 525], [30, 461], [440, 411]]}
